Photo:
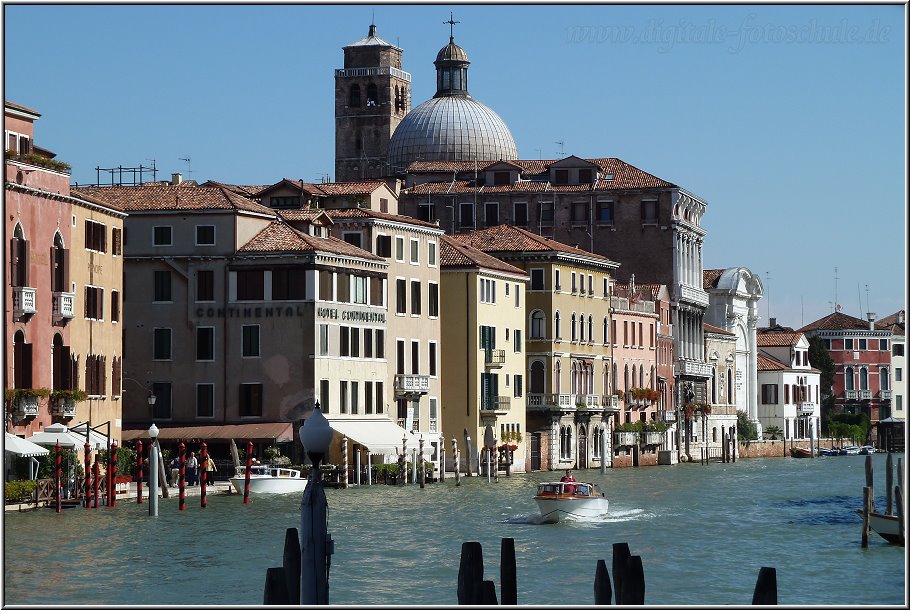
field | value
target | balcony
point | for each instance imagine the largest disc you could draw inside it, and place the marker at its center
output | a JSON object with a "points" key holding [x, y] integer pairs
{"points": [[64, 407], [851, 394], [611, 403], [627, 439], [805, 408], [494, 358], [64, 303], [550, 401], [865, 394], [588, 400], [669, 416], [655, 438], [23, 301], [693, 295], [693, 368], [415, 424], [885, 394], [495, 404], [26, 406], [406, 385]]}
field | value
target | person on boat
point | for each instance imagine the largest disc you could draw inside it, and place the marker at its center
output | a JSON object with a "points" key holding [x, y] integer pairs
{"points": [[568, 478]]}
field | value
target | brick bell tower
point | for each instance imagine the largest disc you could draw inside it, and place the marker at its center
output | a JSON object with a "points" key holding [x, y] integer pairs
{"points": [[372, 95]]}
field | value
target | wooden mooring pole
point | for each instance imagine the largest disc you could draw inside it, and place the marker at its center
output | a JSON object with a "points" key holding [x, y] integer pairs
{"points": [[603, 592], [508, 581], [889, 484], [765, 593], [866, 502], [870, 482], [901, 520]]}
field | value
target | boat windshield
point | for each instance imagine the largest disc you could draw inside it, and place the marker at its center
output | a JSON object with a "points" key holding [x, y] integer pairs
{"points": [[578, 489]]}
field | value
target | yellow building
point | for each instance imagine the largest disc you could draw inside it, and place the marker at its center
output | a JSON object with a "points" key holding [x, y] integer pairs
{"points": [[483, 345], [570, 390]]}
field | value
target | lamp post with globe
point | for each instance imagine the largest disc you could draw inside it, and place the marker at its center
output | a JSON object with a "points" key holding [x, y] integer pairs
{"points": [[153, 480], [316, 544]]}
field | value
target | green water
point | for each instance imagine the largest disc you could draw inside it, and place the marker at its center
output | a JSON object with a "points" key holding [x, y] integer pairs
{"points": [[703, 533]]}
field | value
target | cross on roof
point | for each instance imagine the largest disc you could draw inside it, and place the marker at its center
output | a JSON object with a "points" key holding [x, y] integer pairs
{"points": [[451, 23]]}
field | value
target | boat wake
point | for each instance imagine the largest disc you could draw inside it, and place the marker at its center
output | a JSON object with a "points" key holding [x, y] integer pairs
{"points": [[635, 514]]}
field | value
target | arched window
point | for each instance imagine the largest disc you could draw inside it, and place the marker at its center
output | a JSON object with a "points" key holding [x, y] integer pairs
{"points": [[19, 260], [60, 279], [22, 361], [714, 387], [537, 325], [591, 329], [556, 374], [653, 382], [573, 380], [568, 455], [714, 434], [606, 376], [537, 377], [729, 386], [863, 378], [557, 329], [372, 95], [627, 386], [354, 97], [573, 329], [606, 331], [615, 377], [582, 329], [634, 377], [641, 375], [883, 381], [848, 379]]}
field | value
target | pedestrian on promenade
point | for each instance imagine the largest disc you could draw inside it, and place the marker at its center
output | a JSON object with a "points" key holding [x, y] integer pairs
{"points": [[210, 470], [175, 471], [192, 466]]}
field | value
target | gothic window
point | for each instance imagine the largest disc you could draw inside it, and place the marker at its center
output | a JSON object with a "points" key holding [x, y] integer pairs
{"points": [[848, 378], [573, 327], [556, 327], [537, 377], [864, 378], [354, 101], [19, 257], [591, 329], [537, 325], [372, 95], [883, 378], [60, 258]]}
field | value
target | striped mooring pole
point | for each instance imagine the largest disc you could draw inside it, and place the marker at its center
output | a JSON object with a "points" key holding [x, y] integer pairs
{"points": [[88, 474], [182, 476], [112, 477], [344, 461], [246, 477], [57, 474], [95, 476], [139, 472], [203, 454]]}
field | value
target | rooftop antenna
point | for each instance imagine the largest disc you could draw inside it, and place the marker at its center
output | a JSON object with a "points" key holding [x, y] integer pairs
{"points": [[561, 148], [859, 297], [539, 155], [189, 166], [867, 298], [835, 289], [768, 293], [451, 23]]}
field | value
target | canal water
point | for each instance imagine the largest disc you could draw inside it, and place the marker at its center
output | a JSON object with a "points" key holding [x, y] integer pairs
{"points": [[702, 531]]}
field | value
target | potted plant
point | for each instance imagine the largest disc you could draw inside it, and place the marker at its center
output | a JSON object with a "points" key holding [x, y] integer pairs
{"points": [[24, 401], [63, 402]]}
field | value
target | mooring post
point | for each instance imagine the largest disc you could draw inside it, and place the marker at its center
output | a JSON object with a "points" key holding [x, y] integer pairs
{"points": [[866, 494], [291, 564], [901, 521], [633, 586], [602, 589], [442, 458], [508, 582], [765, 593], [423, 471], [344, 462], [457, 460], [470, 573], [620, 554], [357, 467], [487, 593], [870, 482]]}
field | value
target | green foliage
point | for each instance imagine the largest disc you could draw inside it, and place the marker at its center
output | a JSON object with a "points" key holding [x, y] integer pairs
{"points": [[19, 491], [126, 460], [820, 359], [854, 426], [774, 431], [634, 426], [274, 456], [33, 159], [14, 394], [47, 464], [745, 429], [656, 426], [77, 395]]}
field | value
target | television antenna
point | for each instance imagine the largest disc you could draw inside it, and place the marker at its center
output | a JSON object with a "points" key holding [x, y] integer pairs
{"points": [[561, 148], [189, 166]]}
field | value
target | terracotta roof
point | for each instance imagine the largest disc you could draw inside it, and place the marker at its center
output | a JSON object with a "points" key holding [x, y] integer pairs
{"points": [[710, 277], [891, 323], [21, 107], [507, 238], [367, 213], [710, 328], [767, 363], [837, 321], [307, 214], [281, 237], [765, 338], [647, 292], [170, 197], [364, 187], [453, 253]]}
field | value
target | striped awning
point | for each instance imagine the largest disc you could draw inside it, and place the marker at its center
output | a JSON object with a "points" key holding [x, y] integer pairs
{"points": [[271, 431], [20, 446]]}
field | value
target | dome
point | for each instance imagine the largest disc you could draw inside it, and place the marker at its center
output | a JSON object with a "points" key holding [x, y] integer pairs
{"points": [[452, 52], [450, 128]]}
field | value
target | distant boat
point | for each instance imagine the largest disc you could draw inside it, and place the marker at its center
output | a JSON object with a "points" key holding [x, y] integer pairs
{"points": [[269, 479], [850, 450], [558, 500], [886, 526], [828, 452], [800, 452]]}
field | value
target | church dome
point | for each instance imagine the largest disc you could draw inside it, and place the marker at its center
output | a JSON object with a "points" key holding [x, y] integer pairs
{"points": [[450, 128], [452, 52]]}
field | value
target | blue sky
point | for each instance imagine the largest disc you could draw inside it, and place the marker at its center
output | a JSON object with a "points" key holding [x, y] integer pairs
{"points": [[788, 120]]}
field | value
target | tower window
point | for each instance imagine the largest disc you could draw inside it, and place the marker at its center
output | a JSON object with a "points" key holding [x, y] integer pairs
{"points": [[372, 95], [354, 101]]}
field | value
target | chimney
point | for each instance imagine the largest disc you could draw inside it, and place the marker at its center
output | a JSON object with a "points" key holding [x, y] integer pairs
{"points": [[176, 179], [772, 322], [871, 317], [900, 317]]}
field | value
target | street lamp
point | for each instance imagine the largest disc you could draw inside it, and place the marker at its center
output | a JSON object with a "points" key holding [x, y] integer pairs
{"points": [[316, 545], [153, 466]]}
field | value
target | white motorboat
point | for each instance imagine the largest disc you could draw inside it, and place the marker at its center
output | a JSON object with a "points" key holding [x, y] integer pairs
{"points": [[571, 500], [269, 479], [886, 526]]}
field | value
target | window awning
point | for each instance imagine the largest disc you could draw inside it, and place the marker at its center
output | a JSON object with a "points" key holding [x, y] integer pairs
{"points": [[380, 435], [272, 431], [20, 446]]}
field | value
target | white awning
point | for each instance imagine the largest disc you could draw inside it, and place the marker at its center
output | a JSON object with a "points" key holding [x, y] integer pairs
{"points": [[380, 435], [22, 447], [58, 432], [97, 439]]}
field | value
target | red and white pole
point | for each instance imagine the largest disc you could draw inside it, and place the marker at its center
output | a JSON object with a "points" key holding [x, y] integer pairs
{"points": [[203, 454], [96, 475], [88, 474], [57, 474], [139, 465], [249, 466], [182, 476], [112, 477]]}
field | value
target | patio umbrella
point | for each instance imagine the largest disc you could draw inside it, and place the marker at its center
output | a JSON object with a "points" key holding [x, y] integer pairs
{"points": [[22, 447], [58, 432], [97, 440]]}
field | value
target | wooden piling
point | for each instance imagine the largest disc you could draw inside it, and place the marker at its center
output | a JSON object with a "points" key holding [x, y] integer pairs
{"points": [[487, 593], [765, 593], [457, 467], [620, 554], [866, 493], [869, 481], [470, 573], [291, 564], [508, 581], [423, 471], [603, 592], [633, 586], [275, 593], [889, 484], [442, 459], [901, 520]]}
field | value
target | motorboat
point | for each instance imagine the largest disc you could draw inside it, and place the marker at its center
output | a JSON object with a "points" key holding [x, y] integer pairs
{"points": [[570, 500], [886, 526], [828, 452], [800, 452], [869, 450], [850, 450], [269, 479]]}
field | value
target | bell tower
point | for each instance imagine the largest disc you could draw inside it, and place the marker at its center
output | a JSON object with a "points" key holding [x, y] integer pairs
{"points": [[372, 96]]}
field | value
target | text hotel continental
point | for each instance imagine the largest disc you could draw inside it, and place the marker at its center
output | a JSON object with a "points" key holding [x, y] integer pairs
{"points": [[288, 312]]}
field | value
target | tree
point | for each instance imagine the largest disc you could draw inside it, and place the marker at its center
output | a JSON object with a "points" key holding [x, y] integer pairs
{"points": [[745, 428], [820, 359]]}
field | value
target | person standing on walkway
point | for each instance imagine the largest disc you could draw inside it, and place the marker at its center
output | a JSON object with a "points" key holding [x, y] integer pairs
{"points": [[192, 466], [210, 470]]}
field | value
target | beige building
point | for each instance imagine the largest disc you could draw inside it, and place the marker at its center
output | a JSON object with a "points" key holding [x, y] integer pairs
{"points": [[569, 362], [708, 431], [483, 343]]}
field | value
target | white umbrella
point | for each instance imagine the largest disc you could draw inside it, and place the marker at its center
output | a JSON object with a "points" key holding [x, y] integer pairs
{"points": [[96, 439], [22, 447], [58, 432]]}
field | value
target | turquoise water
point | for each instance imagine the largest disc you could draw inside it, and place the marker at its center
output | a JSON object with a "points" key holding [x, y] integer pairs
{"points": [[703, 533]]}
